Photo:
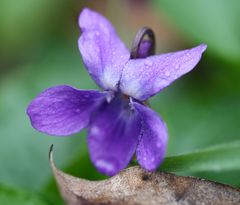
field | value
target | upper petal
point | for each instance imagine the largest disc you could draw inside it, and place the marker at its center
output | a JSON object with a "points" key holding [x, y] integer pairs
{"points": [[63, 110], [113, 136], [143, 78], [103, 53], [153, 140]]}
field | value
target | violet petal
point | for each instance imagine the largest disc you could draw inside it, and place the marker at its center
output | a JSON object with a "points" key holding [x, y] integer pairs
{"points": [[143, 78], [103, 53], [63, 110], [153, 140], [113, 136]]}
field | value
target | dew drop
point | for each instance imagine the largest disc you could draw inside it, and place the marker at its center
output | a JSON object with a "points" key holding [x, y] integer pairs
{"points": [[103, 164], [95, 130], [159, 144], [167, 73], [86, 96], [148, 63]]}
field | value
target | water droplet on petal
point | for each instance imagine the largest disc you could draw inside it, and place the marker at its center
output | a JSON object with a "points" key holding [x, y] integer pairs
{"points": [[97, 33], [103, 164], [177, 66], [78, 110], [148, 63], [167, 73], [160, 83], [94, 130]]}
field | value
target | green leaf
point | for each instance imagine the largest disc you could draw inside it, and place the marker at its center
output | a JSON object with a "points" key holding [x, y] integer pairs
{"points": [[19, 197], [222, 158], [214, 22]]}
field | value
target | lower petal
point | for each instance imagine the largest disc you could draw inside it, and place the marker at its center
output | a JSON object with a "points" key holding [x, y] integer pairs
{"points": [[153, 140], [63, 110], [113, 136]]}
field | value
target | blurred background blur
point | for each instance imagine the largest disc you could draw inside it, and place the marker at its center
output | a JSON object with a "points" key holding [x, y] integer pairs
{"points": [[38, 49]]}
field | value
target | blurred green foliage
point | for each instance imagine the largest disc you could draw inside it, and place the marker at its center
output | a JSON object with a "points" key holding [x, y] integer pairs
{"points": [[26, 24], [214, 22], [38, 49], [18, 196]]}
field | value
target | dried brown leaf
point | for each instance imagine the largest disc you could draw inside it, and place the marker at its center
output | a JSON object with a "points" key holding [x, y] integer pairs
{"points": [[135, 186]]}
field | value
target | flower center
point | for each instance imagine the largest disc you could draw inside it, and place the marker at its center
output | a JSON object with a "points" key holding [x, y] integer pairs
{"points": [[143, 46]]}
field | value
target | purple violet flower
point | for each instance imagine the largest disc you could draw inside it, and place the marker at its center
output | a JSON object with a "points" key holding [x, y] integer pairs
{"points": [[118, 121]]}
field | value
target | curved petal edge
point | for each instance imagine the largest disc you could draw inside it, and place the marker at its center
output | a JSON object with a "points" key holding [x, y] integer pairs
{"points": [[143, 78], [152, 143], [103, 53]]}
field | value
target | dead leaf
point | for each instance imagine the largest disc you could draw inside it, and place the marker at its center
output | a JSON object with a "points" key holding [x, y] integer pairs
{"points": [[136, 186]]}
